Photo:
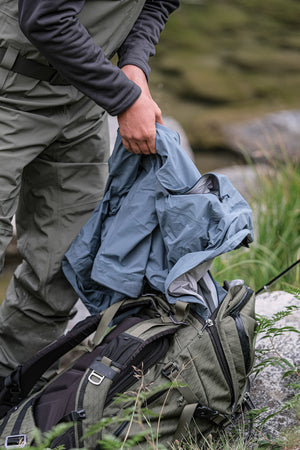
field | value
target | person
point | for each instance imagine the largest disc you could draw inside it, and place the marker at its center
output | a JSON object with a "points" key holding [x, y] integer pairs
{"points": [[57, 85]]}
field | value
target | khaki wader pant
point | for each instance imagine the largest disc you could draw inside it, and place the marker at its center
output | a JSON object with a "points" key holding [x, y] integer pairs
{"points": [[54, 146]]}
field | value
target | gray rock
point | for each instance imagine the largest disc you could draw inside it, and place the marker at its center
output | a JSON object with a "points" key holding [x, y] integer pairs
{"points": [[269, 388], [273, 136]]}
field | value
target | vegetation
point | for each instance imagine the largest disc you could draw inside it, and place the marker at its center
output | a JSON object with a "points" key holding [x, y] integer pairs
{"points": [[276, 211], [226, 60]]}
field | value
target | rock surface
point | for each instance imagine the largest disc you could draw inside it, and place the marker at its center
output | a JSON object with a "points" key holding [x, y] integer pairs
{"points": [[269, 389], [246, 179], [265, 139]]}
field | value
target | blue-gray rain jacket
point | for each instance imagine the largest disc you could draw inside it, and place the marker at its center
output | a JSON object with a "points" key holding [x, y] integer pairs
{"points": [[160, 223]]}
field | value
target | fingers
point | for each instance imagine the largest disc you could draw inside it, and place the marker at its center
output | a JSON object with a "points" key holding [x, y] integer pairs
{"points": [[144, 147], [137, 126]]}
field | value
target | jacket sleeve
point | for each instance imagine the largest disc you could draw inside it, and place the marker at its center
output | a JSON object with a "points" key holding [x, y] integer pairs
{"points": [[52, 26], [140, 43]]}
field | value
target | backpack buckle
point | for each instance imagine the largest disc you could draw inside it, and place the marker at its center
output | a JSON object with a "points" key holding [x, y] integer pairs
{"points": [[96, 378], [15, 441], [205, 411], [169, 368]]}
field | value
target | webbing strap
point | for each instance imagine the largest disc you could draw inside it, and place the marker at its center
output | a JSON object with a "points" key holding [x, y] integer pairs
{"points": [[181, 310], [184, 421], [111, 312], [10, 59], [95, 395], [107, 317], [20, 382], [102, 367], [171, 372], [148, 325]]}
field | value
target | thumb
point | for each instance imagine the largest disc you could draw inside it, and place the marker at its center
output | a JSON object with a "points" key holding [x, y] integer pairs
{"points": [[158, 116]]}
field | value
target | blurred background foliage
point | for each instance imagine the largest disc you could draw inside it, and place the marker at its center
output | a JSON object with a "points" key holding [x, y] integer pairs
{"points": [[222, 61]]}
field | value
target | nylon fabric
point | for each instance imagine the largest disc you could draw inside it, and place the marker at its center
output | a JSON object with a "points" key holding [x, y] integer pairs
{"points": [[203, 393], [52, 177], [184, 421], [149, 228]]}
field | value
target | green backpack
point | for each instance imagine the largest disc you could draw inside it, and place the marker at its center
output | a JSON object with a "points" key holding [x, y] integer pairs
{"points": [[193, 372]]}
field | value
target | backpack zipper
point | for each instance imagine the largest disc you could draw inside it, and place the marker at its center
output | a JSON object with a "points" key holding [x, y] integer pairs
{"points": [[244, 339], [212, 331], [246, 297]]}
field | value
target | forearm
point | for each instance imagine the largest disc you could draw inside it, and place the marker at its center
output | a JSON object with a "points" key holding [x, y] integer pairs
{"points": [[53, 27]]}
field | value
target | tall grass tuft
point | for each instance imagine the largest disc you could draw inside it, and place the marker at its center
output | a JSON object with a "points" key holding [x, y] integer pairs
{"points": [[276, 217]]}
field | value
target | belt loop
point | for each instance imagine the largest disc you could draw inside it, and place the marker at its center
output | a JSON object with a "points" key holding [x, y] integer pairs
{"points": [[9, 58], [7, 63]]}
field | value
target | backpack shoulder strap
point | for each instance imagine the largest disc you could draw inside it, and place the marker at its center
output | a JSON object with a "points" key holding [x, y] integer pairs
{"points": [[20, 382]]}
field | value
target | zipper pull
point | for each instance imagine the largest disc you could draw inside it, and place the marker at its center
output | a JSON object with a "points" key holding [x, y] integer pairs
{"points": [[208, 323]]}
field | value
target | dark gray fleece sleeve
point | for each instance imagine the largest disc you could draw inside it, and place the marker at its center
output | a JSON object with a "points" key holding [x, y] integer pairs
{"points": [[141, 41], [52, 26]]}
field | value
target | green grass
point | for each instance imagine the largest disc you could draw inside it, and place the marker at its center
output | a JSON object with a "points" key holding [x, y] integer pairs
{"points": [[276, 212]]}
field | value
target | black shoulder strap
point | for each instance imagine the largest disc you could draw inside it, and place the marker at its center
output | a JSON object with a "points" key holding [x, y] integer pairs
{"points": [[20, 382]]}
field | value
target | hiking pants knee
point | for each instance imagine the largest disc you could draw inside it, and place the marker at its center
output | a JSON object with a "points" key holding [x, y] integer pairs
{"points": [[52, 175]]}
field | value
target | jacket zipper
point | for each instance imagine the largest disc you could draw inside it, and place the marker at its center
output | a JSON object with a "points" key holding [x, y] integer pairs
{"points": [[216, 188]]}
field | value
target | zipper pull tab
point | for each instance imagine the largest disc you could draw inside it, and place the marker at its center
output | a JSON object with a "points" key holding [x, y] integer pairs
{"points": [[208, 323]]}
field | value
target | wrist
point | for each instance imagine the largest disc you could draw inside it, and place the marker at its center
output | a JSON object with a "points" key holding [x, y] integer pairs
{"points": [[135, 73]]}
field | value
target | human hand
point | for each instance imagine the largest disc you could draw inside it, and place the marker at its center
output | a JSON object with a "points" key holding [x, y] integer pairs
{"points": [[137, 123]]}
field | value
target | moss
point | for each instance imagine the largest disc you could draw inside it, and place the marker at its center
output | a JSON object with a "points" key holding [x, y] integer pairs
{"points": [[224, 60]]}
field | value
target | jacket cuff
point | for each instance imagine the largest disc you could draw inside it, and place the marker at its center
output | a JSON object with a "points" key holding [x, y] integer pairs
{"points": [[128, 100], [136, 62]]}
